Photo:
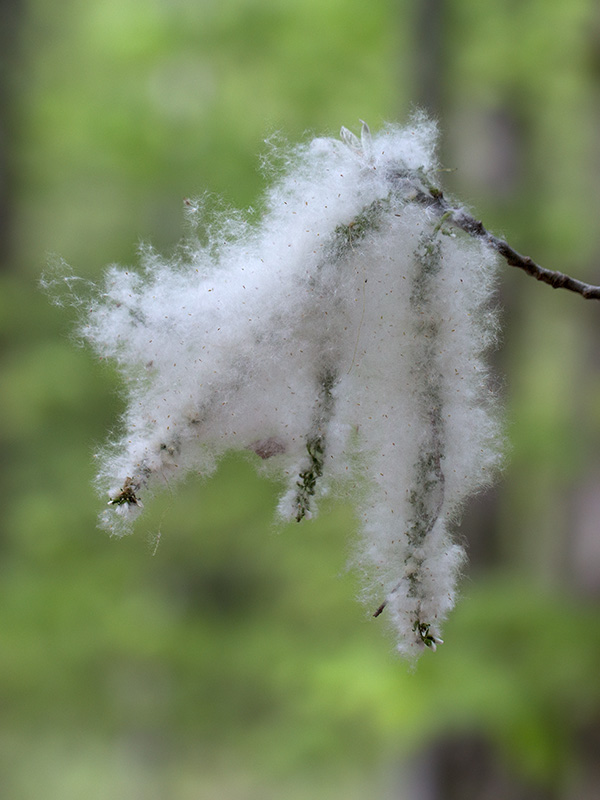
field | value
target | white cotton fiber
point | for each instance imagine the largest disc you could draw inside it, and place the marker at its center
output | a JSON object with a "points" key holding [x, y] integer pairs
{"points": [[341, 339]]}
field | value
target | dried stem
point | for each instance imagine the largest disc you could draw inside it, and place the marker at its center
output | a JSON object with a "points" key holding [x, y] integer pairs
{"points": [[427, 495], [434, 198], [315, 446]]}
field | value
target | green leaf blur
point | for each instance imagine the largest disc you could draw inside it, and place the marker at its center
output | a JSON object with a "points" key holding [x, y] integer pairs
{"points": [[211, 654]]}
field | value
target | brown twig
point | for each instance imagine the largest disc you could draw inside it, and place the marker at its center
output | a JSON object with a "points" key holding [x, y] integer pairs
{"points": [[385, 602], [435, 200]]}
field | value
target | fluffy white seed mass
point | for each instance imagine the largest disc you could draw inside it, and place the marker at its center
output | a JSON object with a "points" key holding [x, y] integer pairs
{"points": [[341, 340]]}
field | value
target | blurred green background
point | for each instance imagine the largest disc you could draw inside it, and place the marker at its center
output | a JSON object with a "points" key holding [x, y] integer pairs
{"points": [[211, 655]]}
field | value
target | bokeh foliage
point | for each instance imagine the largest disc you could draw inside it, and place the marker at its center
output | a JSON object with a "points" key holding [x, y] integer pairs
{"points": [[211, 654]]}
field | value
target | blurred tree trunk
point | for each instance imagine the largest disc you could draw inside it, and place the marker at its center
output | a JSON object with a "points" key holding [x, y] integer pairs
{"points": [[466, 767], [11, 17], [587, 778], [497, 138], [428, 76]]}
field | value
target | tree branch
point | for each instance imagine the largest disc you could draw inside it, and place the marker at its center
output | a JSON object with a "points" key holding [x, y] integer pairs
{"points": [[557, 280], [434, 199]]}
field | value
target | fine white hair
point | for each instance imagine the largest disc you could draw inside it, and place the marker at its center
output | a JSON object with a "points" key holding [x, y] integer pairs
{"points": [[342, 339]]}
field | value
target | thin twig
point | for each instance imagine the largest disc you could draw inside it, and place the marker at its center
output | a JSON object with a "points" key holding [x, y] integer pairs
{"points": [[435, 200]]}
